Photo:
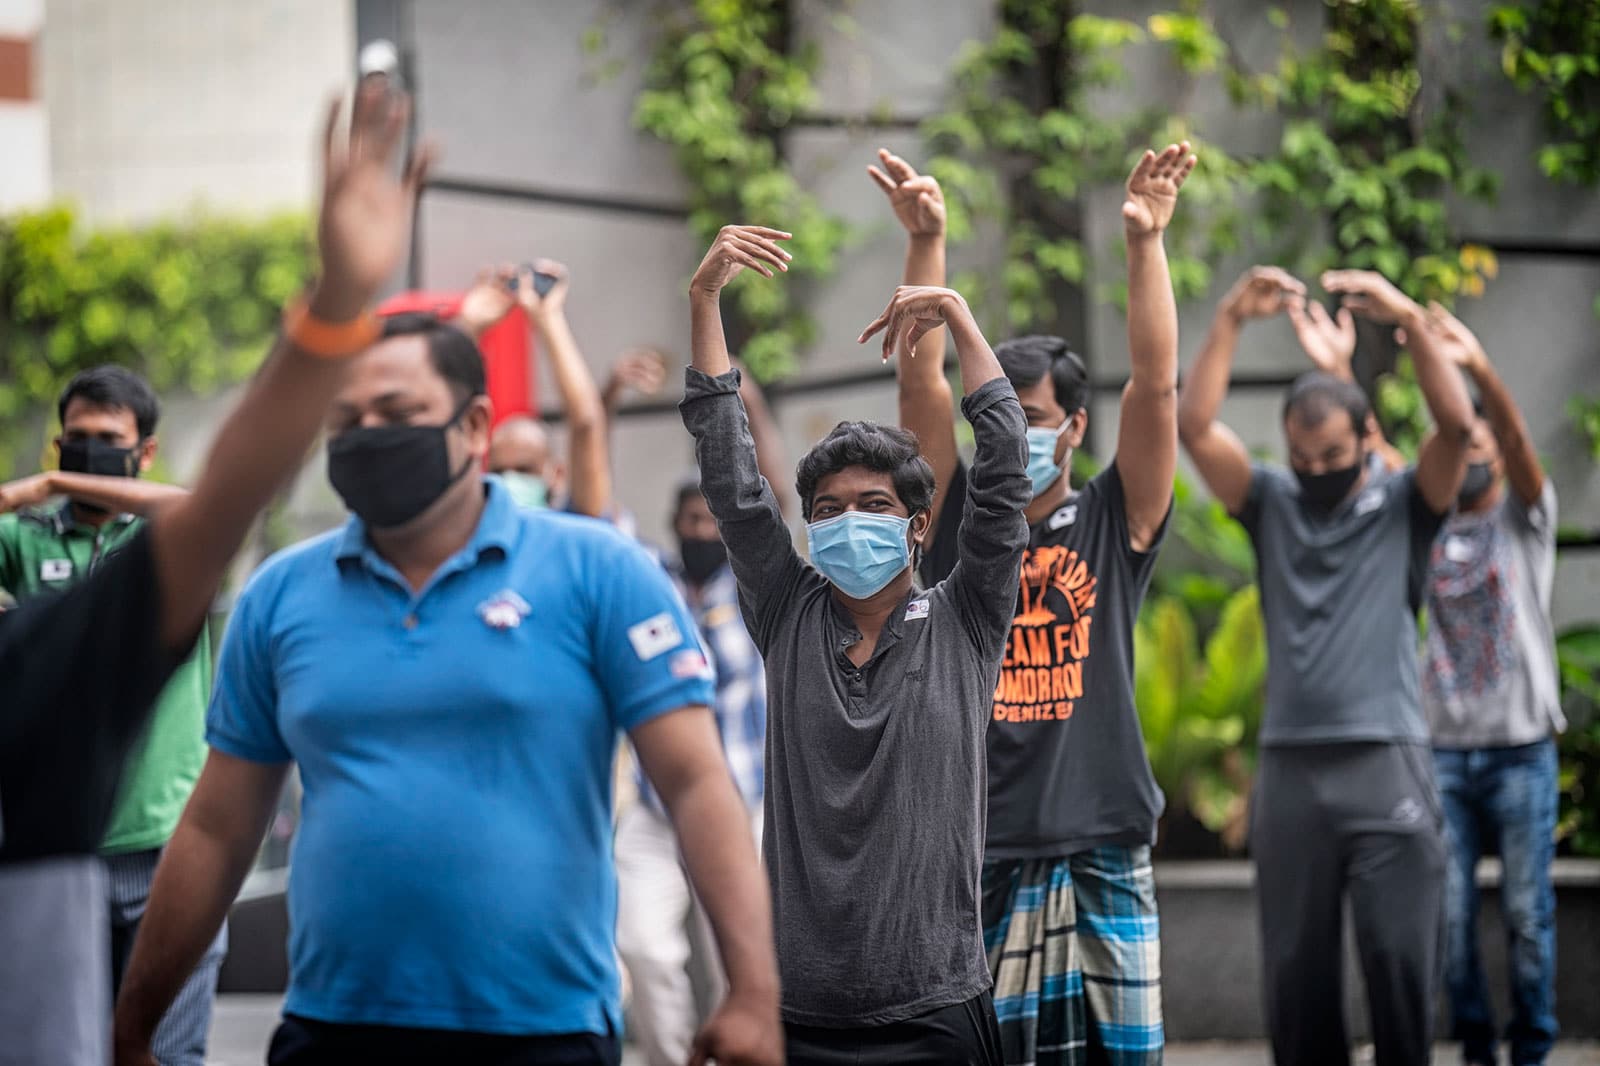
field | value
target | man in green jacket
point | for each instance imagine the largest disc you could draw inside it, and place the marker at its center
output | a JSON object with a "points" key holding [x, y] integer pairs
{"points": [[108, 422]]}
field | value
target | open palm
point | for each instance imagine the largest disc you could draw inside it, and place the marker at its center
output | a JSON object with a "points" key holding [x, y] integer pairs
{"points": [[1152, 193]]}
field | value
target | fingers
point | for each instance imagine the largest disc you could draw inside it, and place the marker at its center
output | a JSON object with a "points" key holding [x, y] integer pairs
{"points": [[1185, 169], [762, 231], [422, 159], [1144, 169], [898, 168], [883, 180], [766, 244], [1400, 336], [397, 114], [554, 267], [1347, 323], [1319, 315], [876, 324], [333, 155], [1277, 278]]}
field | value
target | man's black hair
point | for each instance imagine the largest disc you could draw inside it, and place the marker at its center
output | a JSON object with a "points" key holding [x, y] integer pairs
{"points": [[1314, 395], [888, 449], [688, 488], [116, 387], [1026, 361], [454, 354]]}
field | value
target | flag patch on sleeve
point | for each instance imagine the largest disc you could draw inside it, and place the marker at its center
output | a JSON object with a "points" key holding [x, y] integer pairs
{"points": [[654, 636], [690, 663]]}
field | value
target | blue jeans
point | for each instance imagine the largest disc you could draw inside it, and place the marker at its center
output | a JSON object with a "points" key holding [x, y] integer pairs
{"points": [[1506, 797]]}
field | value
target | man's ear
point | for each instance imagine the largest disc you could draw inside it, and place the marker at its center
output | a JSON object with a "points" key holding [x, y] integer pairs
{"points": [[147, 453], [1079, 423], [919, 526]]}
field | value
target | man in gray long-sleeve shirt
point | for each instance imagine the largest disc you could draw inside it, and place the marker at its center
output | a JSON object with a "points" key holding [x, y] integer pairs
{"points": [[878, 695]]}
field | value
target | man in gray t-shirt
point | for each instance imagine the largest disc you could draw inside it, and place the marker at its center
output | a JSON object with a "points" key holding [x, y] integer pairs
{"points": [[1493, 702], [877, 694], [1345, 801]]}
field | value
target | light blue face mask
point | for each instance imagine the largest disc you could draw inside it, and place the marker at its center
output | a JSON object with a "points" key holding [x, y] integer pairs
{"points": [[528, 490], [860, 553], [1042, 466]]}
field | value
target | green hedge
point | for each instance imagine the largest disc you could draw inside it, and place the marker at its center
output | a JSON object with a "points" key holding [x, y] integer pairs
{"points": [[191, 305]]}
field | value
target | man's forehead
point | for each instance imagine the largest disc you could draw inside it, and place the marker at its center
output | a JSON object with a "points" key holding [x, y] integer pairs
{"points": [[396, 365], [81, 410], [856, 481]]}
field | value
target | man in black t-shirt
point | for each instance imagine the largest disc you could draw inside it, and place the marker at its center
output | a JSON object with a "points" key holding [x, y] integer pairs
{"points": [[82, 668], [1069, 904]]}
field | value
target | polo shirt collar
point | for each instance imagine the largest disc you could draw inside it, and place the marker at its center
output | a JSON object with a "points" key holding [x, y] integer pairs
{"points": [[62, 522], [498, 527]]}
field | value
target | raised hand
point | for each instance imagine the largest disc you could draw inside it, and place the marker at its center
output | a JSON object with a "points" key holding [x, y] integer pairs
{"points": [[1329, 341], [644, 370], [489, 300], [1371, 295], [553, 301], [917, 200], [736, 249], [1261, 292], [25, 492], [1452, 337], [913, 312], [364, 226], [1153, 189]]}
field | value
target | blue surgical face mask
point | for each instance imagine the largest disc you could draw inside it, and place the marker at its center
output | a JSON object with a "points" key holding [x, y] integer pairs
{"points": [[860, 553], [529, 490], [1042, 466]]}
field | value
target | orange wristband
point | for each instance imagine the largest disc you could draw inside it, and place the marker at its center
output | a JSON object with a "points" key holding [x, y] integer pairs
{"points": [[328, 340]]}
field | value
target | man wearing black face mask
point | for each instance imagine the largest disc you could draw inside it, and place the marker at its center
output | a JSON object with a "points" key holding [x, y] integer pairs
{"points": [[108, 422], [1345, 801], [450, 672], [655, 907]]}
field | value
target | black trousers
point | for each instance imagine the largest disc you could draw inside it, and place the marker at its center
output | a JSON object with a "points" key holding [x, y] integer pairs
{"points": [[1363, 820], [305, 1042], [963, 1034]]}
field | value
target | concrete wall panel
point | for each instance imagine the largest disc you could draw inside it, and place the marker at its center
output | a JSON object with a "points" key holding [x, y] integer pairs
{"points": [[888, 56]]}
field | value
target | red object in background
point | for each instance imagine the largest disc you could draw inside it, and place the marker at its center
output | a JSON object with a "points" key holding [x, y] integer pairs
{"points": [[507, 356]]}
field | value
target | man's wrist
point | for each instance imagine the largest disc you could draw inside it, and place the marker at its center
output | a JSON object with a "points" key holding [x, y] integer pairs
{"points": [[1143, 238], [333, 302], [921, 240]]}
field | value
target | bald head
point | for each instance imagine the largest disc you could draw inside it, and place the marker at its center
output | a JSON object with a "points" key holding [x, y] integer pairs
{"points": [[519, 443]]}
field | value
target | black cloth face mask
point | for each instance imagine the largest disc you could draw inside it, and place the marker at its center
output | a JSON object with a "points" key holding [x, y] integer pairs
{"points": [[1478, 481], [91, 456], [1325, 490], [387, 475], [701, 558]]}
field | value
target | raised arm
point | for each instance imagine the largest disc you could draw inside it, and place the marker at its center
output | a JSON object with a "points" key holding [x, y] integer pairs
{"points": [[1329, 341], [760, 549], [1215, 449], [1442, 460], [363, 232], [682, 755], [926, 402], [1460, 346], [588, 452], [120, 495], [643, 370], [1147, 438]]}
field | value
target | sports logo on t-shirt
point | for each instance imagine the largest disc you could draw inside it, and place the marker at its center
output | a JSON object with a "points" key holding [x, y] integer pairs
{"points": [[504, 610], [654, 636], [1064, 517], [1041, 676]]}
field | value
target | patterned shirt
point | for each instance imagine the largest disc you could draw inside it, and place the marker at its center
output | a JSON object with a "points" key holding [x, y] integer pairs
{"points": [[741, 705]]}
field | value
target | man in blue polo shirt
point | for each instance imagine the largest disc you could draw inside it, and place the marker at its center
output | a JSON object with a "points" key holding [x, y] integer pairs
{"points": [[450, 672]]}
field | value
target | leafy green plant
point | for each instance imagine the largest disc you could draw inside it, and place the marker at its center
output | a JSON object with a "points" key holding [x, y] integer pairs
{"points": [[1200, 708], [1552, 48], [722, 87], [191, 305], [1578, 657], [1584, 411]]}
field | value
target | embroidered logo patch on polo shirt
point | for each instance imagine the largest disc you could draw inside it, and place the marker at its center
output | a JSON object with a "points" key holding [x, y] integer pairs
{"points": [[1064, 517], [504, 610], [654, 636], [55, 569]]}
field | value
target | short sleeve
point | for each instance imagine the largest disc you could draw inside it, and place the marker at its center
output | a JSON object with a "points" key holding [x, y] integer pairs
{"points": [[1108, 485], [647, 649], [1264, 481], [10, 552], [242, 719], [1539, 516]]}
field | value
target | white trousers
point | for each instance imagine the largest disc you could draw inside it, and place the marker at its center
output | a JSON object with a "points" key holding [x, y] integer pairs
{"points": [[656, 916]]}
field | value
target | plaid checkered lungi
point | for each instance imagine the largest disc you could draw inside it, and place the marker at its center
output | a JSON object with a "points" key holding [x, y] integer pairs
{"points": [[1074, 946]]}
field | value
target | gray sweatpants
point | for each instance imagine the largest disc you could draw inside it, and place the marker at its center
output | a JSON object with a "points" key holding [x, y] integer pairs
{"points": [[1362, 819]]}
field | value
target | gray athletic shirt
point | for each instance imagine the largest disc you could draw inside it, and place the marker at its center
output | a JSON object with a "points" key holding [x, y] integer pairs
{"points": [[874, 807], [1490, 654], [1340, 591]]}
